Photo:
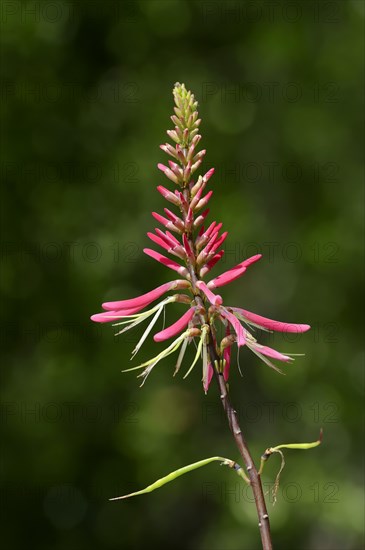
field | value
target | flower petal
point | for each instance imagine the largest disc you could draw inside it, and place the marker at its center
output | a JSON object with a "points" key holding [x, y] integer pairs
{"points": [[270, 324], [107, 316], [210, 374], [233, 273], [145, 299], [238, 328], [176, 327], [269, 352], [226, 278], [214, 299], [166, 261], [227, 357]]}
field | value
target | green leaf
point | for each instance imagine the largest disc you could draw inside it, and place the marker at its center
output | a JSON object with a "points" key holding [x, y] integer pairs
{"points": [[177, 473], [299, 445]]}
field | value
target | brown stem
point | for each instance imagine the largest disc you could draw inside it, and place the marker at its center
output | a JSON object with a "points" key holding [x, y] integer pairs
{"points": [[255, 479]]}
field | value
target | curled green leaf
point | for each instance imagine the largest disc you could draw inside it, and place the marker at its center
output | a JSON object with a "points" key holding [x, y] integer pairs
{"points": [[276, 449], [300, 445]]}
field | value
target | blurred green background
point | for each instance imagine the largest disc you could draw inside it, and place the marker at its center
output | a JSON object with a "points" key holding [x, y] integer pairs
{"points": [[86, 100]]}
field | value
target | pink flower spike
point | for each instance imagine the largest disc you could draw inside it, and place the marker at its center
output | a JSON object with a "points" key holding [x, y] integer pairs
{"points": [[214, 299], [145, 299], [175, 328], [168, 195], [209, 378], [238, 328], [270, 324], [167, 262]]}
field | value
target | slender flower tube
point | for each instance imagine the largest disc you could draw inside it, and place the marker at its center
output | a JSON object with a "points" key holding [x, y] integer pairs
{"points": [[238, 328], [214, 299], [146, 299], [270, 324], [167, 262], [175, 328], [233, 273]]}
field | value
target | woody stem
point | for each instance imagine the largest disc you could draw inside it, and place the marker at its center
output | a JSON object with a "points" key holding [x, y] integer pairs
{"points": [[255, 479], [254, 476]]}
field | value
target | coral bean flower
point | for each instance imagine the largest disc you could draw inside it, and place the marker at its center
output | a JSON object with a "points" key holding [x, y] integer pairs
{"points": [[195, 249]]}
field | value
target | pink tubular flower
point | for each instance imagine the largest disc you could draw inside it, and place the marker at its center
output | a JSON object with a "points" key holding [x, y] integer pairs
{"points": [[206, 384], [238, 328], [171, 197], [270, 324], [145, 299], [166, 261], [269, 352], [233, 273], [175, 328], [214, 299], [198, 249], [112, 316], [165, 222]]}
